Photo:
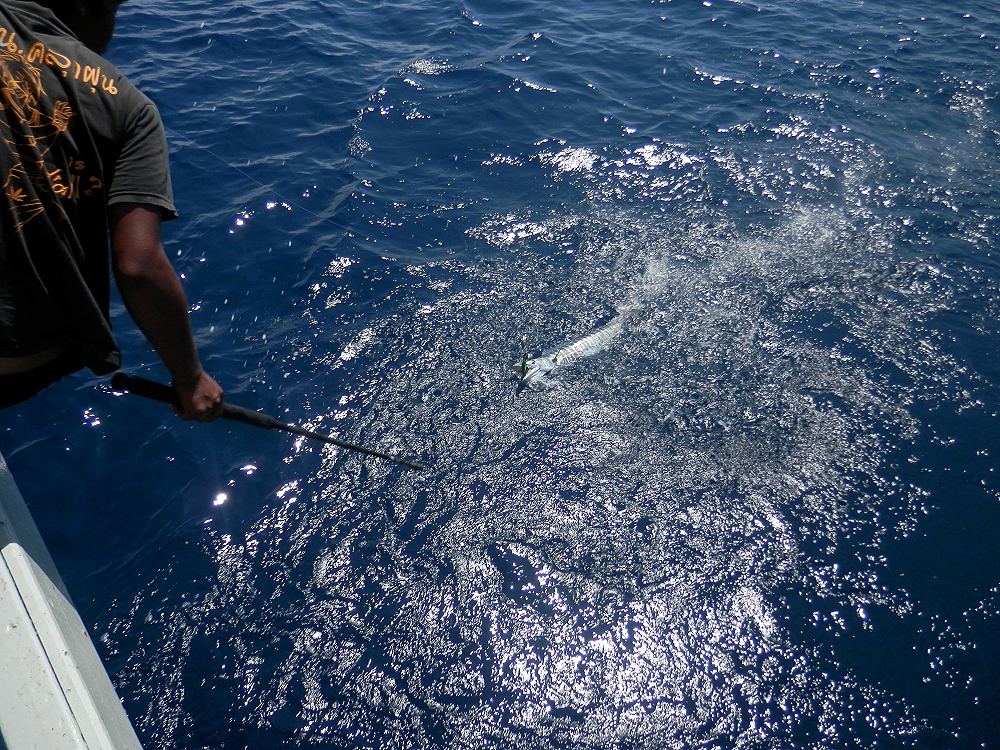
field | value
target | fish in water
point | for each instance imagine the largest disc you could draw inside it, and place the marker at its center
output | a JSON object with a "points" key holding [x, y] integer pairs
{"points": [[532, 370]]}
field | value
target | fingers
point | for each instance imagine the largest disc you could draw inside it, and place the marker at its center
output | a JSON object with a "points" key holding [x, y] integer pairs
{"points": [[201, 411], [202, 401], [206, 406]]}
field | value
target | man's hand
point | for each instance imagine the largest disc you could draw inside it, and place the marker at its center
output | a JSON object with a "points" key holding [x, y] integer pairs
{"points": [[201, 397]]}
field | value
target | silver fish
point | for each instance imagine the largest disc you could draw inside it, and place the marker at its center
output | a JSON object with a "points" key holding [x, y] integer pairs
{"points": [[532, 370]]}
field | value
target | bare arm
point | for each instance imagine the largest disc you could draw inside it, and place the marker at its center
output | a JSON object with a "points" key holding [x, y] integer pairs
{"points": [[155, 299]]}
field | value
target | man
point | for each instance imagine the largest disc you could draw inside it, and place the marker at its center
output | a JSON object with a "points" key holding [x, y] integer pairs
{"points": [[83, 162]]}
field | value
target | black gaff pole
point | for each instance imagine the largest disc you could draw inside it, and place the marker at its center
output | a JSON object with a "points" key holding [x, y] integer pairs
{"points": [[160, 392]]}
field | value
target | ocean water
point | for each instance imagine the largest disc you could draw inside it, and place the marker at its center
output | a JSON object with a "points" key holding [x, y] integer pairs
{"points": [[765, 516]]}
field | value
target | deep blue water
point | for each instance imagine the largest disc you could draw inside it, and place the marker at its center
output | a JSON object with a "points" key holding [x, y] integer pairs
{"points": [[765, 517]]}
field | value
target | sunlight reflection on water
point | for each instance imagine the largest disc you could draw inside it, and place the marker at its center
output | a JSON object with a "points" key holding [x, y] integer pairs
{"points": [[670, 545]]}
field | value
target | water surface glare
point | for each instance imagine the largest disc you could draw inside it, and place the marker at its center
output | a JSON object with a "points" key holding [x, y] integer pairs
{"points": [[763, 516]]}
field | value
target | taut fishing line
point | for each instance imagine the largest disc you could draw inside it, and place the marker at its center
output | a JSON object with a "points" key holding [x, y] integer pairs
{"points": [[288, 201], [159, 392]]}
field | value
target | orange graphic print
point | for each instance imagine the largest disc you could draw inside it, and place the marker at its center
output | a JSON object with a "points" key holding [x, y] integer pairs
{"points": [[31, 124]]}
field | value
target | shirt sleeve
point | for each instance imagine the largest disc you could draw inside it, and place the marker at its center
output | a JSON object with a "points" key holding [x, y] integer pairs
{"points": [[142, 172]]}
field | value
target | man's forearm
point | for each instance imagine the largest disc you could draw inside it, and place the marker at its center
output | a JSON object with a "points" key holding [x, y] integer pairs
{"points": [[156, 301]]}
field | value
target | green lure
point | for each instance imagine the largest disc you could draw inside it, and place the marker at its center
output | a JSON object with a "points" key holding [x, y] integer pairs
{"points": [[522, 369]]}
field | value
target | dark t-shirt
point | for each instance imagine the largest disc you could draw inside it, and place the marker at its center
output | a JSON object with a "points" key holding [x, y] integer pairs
{"points": [[75, 137]]}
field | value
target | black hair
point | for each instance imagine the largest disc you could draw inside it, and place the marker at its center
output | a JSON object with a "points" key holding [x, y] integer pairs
{"points": [[79, 6], [71, 12], [93, 21]]}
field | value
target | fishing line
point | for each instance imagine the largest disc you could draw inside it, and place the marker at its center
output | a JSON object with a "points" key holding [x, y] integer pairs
{"points": [[159, 392], [270, 188]]}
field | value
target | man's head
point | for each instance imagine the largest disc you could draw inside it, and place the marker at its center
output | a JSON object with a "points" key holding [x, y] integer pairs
{"points": [[93, 21]]}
